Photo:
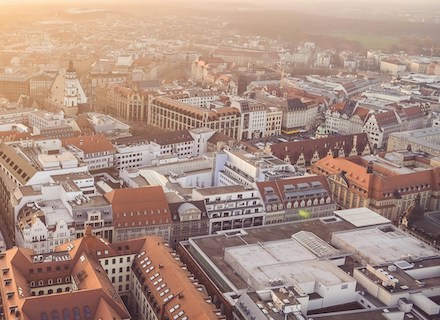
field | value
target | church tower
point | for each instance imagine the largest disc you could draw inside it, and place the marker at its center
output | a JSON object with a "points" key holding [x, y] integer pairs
{"points": [[70, 88]]}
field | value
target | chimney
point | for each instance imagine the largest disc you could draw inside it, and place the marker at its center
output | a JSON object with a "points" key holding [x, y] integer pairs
{"points": [[370, 167]]}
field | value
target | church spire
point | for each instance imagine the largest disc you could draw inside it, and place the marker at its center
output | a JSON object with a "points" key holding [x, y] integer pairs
{"points": [[70, 69]]}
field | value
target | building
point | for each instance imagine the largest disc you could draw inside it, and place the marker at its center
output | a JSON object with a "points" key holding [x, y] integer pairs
{"points": [[231, 207], [317, 268], [32, 162], [387, 183], [39, 86], [49, 124], [296, 198], [12, 86], [54, 213], [107, 125], [201, 68], [425, 226], [96, 79], [240, 167], [398, 272], [378, 127], [167, 114], [189, 218], [196, 97], [323, 59], [157, 149], [164, 289], [345, 117], [423, 140], [124, 102], [304, 153], [258, 120], [95, 150], [269, 258], [138, 212], [393, 67], [298, 114], [89, 278], [68, 283], [66, 92]]}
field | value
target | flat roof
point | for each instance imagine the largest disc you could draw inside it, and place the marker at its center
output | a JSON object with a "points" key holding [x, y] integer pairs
{"points": [[383, 244], [212, 246], [361, 217], [285, 261]]}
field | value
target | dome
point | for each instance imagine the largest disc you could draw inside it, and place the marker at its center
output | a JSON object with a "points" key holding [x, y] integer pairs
{"points": [[185, 207]]}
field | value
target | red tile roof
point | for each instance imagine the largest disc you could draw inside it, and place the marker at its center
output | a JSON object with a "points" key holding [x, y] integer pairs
{"points": [[139, 206], [182, 295], [90, 144]]}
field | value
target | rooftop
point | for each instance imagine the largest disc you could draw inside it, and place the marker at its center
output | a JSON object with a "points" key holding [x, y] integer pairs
{"points": [[383, 244], [212, 246]]}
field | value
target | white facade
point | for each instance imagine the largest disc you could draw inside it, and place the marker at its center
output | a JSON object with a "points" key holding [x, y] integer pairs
{"points": [[258, 121], [42, 119], [323, 59], [234, 167], [38, 237], [300, 118], [118, 270], [142, 153], [392, 67], [336, 122], [199, 97], [231, 207]]}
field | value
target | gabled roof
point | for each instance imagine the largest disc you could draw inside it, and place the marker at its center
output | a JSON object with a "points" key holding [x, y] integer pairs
{"points": [[387, 118], [322, 146]]}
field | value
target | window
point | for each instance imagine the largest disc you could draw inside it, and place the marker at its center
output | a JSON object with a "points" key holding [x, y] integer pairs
{"points": [[76, 314], [344, 286]]}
